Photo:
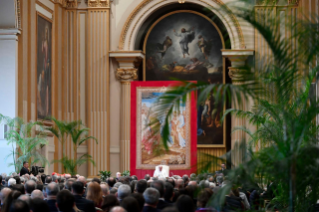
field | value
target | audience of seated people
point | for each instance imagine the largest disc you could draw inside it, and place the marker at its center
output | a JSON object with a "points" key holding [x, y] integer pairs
{"points": [[66, 193]]}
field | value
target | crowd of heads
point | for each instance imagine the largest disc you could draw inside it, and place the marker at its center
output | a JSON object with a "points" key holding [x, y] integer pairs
{"points": [[121, 193]]}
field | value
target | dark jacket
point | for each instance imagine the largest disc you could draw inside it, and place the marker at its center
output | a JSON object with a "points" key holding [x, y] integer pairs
{"points": [[51, 204], [163, 204], [24, 171], [84, 204], [150, 209]]}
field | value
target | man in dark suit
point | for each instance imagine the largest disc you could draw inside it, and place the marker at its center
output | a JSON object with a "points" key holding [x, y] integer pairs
{"points": [[151, 196], [25, 169], [80, 202], [159, 186], [52, 191]]}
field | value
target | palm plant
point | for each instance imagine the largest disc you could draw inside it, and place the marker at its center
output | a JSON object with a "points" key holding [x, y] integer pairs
{"points": [[28, 137], [78, 134], [62, 130], [284, 113], [126, 173]]}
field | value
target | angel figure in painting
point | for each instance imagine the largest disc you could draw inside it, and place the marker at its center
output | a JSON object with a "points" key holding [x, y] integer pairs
{"points": [[204, 46], [164, 47], [186, 38]]}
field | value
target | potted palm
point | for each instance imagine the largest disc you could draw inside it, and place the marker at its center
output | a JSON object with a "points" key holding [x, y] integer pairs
{"points": [[284, 114], [26, 140]]}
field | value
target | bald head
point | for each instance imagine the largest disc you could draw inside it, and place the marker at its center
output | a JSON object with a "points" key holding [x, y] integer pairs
{"points": [[179, 183], [105, 189], [4, 193], [82, 179], [37, 194], [118, 209], [192, 183]]}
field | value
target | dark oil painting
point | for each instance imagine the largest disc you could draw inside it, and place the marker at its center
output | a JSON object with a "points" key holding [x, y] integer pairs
{"points": [[44, 64]]}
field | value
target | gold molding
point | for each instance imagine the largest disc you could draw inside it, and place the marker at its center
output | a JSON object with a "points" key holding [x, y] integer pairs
{"points": [[98, 3], [44, 6], [17, 4], [131, 17], [126, 75]]}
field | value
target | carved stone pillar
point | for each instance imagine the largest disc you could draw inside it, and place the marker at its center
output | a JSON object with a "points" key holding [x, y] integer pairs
{"points": [[238, 61], [126, 73]]}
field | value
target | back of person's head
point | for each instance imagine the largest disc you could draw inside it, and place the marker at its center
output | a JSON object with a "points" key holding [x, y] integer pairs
{"points": [[134, 177], [171, 181], [139, 198], [130, 204], [203, 198], [0, 178], [94, 193], [52, 189], [68, 184], [17, 178], [7, 200], [113, 190], [111, 181], [29, 186], [55, 178], [104, 188], [159, 185], [109, 201], [219, 179], [11, 182], [147, 177], [48, 179], [25, 198], [15, 194], [97, 180], [78, 187], [133, 185], [65, 201], [43, 176], [151, 196], [141, 186], [18, 187], [118, 209], [39, 186], [39, 205], [185, 203], [169, 189], [170, 209], [123, 191], [37, 194], [19, 206]]}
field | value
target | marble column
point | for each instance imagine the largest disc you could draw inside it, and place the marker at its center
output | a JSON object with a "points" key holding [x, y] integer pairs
{"points": [[126, 73], [238, 60]]}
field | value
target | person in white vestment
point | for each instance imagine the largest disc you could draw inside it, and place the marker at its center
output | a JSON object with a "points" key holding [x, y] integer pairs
{"points": [[160, 172]]}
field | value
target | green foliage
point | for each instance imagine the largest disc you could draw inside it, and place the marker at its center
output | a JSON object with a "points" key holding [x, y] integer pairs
{"points": [[70, 165], [126, 173], [78, 134], [28, 138], [284, 114], [104, 175]]}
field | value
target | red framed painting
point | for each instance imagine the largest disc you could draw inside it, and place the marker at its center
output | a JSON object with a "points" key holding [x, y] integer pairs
{"points": [[146, 152]]}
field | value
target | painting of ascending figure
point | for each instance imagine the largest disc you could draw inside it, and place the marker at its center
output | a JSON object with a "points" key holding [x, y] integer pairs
{"points": [[150, 127], [44, 64], [186, 45]]}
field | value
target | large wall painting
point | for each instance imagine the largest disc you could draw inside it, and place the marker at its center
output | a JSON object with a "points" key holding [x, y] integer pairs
{"points": [[146, 137], [44, 64], [186, 45]]}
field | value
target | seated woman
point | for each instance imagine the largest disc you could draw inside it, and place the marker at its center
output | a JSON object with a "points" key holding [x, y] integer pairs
{"points": [[95, 194]]}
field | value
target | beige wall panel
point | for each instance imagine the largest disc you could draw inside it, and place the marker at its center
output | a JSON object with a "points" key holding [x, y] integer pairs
{"points": [[98, 88]]}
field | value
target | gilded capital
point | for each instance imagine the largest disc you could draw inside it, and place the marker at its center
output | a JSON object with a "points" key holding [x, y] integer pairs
{"points": [[126, 75], [232, 72]]}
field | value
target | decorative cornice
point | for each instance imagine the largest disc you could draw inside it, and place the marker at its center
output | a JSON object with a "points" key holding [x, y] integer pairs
{"points": [[233, 72], [126, 75], [98, 3], [146, 2]]}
